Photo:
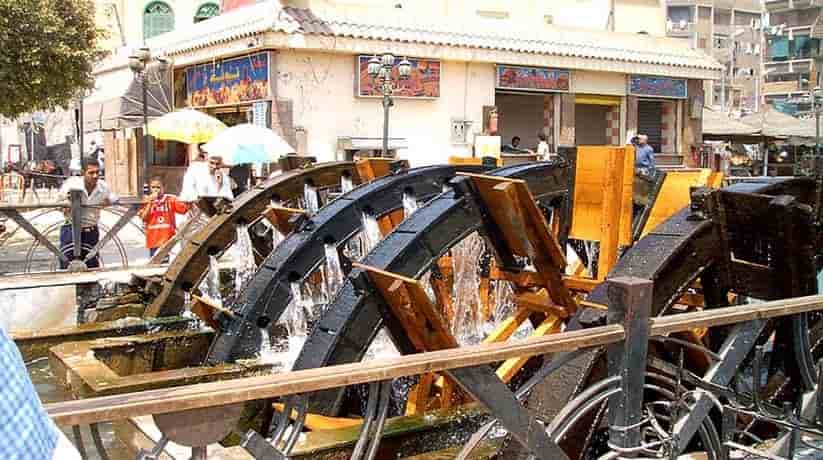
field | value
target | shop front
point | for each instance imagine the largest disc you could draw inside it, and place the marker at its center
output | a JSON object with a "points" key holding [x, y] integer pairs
{"points": [[656, 110], [234, 90], [527, 99], [597, 118]]}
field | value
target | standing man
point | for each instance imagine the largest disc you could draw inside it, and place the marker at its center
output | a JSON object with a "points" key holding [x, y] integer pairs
{"points": [[644, 156], [206, 179], [158, 215], [95, 194]]}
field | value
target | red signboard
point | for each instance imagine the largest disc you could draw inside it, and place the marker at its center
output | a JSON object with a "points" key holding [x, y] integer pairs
{"points": [[229, 5]]}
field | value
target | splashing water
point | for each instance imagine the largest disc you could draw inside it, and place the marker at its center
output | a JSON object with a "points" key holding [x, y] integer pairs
{"points": [[333, 271], [295, 315], [346, 184], [371, 233], [187, 313], [465, 256], [311, 199], [268, 355], [296, 318], [212, 281], [410, 204], [244, 255], [381, 347]]}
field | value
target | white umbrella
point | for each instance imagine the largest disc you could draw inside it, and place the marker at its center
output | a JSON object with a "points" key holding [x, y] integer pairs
{"points": [[246, 143]]}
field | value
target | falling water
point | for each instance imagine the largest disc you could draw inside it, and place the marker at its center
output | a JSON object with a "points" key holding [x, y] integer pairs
{"points": [[465, 257], [371, 233], [212, 281], [245, 266], [333, 272], [187, 313], [346, 184], [296, 320], [311, 200], [381, 347], [410, 204], [268, 355]]}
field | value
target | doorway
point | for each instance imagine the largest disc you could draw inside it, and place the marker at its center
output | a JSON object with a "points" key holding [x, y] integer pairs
{"points": [[590, 123]]}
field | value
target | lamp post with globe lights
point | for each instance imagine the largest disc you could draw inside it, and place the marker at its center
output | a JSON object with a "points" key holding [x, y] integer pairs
{"points": [[139, 64], [380, 70]]}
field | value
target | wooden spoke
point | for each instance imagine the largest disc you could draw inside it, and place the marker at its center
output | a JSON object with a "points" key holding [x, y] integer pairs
{"points": [[369, 169], [526, 232], [317, 422], [205, 309], [512, 366], [281, 217]]}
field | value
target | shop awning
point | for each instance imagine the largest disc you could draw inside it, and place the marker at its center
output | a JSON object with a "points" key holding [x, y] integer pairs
{"points": [[718, 124], [773, 123], [126, 111]]}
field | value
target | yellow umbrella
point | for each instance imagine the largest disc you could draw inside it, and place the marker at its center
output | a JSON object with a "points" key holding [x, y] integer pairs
{"points": [[188, 126]]}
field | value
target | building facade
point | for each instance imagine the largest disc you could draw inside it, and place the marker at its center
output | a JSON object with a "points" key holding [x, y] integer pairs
{"points": [[790, 54], [299, 68], [731, 31]]}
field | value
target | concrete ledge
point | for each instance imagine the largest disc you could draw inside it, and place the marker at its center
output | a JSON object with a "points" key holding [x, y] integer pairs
{"points": [[35, 344]]}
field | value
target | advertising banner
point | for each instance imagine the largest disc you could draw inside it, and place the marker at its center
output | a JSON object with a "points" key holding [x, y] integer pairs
{"points": [[229, 81], [532, 78], [423, 82], [645, 85]]}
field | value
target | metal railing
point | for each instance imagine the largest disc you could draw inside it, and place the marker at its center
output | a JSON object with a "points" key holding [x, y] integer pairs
{"points": [[629, 331]]}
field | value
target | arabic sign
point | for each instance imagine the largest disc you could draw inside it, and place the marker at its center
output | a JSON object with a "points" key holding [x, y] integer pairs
{"points": [[230, 81], [645, 85], [532, 78], [423, 81]]}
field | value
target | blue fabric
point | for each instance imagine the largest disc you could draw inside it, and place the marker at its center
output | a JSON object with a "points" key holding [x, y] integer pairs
{"points": [[644, 157], [26, 432]]}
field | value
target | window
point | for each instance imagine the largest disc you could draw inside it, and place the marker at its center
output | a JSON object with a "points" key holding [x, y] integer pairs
{"points": [[206, 11], [158, 18], [679, 14]]}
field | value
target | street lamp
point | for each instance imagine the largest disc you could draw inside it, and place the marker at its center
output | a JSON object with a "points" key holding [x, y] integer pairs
{"points": [[380, 70], [139, 64]]}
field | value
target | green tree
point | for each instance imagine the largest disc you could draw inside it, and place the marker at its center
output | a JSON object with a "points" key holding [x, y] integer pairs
{"points": [[47, 50]]}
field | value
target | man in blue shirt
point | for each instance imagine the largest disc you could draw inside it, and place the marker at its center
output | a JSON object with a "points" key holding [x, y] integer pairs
{"points": [[26, 432], [644, 156]]}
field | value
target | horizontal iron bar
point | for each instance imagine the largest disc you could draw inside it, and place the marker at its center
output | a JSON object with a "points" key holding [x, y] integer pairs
{"points": [[213, 394]]}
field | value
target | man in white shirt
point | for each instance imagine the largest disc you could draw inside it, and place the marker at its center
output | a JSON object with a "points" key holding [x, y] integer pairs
{"points": [[206, 179], [95, 194]]}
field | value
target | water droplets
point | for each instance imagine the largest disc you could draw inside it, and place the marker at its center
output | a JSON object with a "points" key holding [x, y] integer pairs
{"points": [[410, 204], [311, 199]]}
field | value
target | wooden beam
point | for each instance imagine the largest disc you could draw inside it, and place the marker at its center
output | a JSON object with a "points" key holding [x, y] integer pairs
{"points": [[580, 284], [610, 212], [540, 302], [317, 422], [525, 230], [512, 366]]}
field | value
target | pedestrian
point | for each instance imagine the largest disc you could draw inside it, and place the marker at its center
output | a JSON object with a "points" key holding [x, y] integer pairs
{"points": [[543, 147], [158, 214], [644, 156], [206, 179], [95, 194], [25, 428]]}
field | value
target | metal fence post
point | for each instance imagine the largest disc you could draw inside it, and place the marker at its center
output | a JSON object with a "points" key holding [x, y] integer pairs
{"points": [[76, 224], [629, 304]]}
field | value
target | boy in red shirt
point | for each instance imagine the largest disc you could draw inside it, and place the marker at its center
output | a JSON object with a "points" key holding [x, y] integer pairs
{"points": [[158, 215]]}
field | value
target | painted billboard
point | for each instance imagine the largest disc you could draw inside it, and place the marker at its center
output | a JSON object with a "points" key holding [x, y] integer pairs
{"points": [[423, 82], [230, 81], [650, 86], [532, 78]]}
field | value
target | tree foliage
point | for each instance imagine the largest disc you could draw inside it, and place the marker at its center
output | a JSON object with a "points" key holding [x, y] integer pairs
{"points": [[47, 50]]}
